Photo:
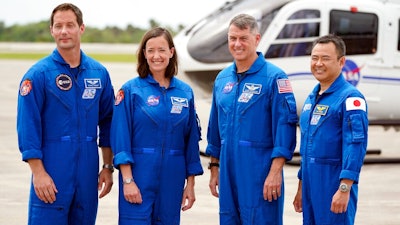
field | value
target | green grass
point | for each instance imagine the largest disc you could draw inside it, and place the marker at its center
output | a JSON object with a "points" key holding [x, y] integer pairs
{"points": [[128, 58]]}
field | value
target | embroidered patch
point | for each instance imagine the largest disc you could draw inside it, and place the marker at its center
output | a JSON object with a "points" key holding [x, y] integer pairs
{"points": [[355, 103], [64, 82], [228, 87], [153, 100], [315, 119], [176, 109], [180, 101], [119, 97], [89, 93], [93, 83], [252, 88], [284, 86], [306, 107], [26, 87], [321, 110], [245, 97]]}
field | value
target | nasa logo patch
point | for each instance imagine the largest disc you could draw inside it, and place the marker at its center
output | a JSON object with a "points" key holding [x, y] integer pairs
{"points": [[64, 82], [153, 100], [228, 87]]}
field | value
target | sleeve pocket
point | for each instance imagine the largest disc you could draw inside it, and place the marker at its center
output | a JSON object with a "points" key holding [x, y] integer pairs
{"points": [[357, 128], [291, 102]]}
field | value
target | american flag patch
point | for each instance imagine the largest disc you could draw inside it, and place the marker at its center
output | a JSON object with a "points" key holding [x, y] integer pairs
{"points": [[284, 86]]}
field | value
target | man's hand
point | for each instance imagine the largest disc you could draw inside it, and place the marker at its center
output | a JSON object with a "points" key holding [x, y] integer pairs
{"points": [[43, 184], [105, 182]]}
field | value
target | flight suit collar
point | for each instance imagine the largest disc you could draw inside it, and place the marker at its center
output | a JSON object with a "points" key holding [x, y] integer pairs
{"points": [[337, 84], [255, 67], [57, 57], [150, 79]]}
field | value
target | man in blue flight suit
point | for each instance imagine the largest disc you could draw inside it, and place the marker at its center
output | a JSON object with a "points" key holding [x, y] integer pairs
{"points": [[334, 134], [63, 100], [251, 131]]}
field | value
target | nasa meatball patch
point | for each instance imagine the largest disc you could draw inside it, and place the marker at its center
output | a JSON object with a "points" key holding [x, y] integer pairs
{"points": [[25, 88], [355, 103]]}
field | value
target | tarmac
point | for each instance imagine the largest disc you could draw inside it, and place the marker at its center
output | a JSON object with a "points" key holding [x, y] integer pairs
{"points": [[379, 187]]}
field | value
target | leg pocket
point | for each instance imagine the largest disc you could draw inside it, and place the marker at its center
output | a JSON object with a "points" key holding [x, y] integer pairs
{"points": [[43, 214]]}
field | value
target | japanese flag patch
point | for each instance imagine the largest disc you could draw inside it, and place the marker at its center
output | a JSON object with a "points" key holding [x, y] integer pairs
{"points": [[355, 103]]}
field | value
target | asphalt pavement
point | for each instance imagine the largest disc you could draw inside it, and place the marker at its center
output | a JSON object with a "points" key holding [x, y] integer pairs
{"points": [[379, 188]]}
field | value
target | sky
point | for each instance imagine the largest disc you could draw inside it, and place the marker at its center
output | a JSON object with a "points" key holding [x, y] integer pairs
{"points": [[102, 13]]}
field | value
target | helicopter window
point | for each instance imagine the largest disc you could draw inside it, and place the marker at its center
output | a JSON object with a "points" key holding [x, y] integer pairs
{"points": [[358, 30], [398, 38], [295, 39], [209, 42]]}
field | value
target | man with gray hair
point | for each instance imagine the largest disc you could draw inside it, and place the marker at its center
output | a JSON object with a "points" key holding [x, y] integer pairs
{"points": [[251, 131]]}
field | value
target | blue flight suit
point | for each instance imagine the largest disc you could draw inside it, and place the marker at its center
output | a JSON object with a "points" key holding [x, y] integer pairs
{"points": [[156, 131], [334, 135], [252, 121], [59, 112]]}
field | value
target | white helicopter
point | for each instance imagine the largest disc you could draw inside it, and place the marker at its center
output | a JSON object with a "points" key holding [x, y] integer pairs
{"points": [[370, 29]]}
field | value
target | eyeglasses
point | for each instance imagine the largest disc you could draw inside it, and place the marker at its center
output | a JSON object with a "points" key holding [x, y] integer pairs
{"points": [[323, 59]]}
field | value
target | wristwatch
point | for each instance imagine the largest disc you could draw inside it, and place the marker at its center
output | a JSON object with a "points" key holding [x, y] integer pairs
{"points": [[128, 180], [344, 187], [211, 164], [109, 166]]}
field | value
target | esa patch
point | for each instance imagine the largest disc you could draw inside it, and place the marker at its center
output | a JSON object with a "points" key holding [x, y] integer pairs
{"points": [[119, 97], [355, 103], [25, 88], [64, 82]]}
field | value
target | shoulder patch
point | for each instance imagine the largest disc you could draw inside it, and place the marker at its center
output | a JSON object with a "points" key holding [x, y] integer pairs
{"points": [[25, 88], [355, 103], [284, 86], [120, 96]]}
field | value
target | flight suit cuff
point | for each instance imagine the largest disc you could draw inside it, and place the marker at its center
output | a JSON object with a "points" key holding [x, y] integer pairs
{"points": [[282, 152], [351, 175], [31, 154], [213, 151], [194, 169], [122, 158]]}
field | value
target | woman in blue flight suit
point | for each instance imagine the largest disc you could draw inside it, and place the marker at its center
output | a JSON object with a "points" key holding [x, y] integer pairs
{"points": [[155, 137]]}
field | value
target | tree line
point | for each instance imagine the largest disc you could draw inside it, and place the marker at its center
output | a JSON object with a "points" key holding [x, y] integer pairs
{"points": [[39, 32]]}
